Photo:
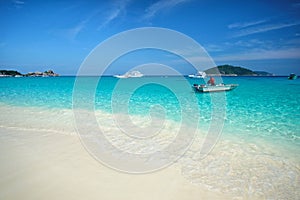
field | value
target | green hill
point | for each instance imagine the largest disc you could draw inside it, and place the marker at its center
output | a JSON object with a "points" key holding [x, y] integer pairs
{"points": [[230, 70]]}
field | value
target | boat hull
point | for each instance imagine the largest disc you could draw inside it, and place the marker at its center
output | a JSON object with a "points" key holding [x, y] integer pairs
{"points": [[214, 88]]}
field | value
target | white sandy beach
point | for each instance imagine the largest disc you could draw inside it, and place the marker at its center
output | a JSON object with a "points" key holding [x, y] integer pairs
{"points": [[49, 165]]}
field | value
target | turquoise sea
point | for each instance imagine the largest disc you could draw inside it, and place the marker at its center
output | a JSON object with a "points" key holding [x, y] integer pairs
{"points": [[257, 154]]}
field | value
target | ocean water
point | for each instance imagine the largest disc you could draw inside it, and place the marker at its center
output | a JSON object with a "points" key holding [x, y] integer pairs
{"points": [[256, 155]]}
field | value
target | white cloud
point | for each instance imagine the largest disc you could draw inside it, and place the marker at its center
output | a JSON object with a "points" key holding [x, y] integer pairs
{"points": [[161, 5]]}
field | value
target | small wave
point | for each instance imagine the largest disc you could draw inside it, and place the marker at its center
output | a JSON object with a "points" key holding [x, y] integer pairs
{"points": [[245, 171]]}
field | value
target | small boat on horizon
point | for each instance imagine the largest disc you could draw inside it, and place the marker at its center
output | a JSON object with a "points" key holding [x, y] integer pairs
{"points": [[198, 75], [214, 88], [292, 76]]}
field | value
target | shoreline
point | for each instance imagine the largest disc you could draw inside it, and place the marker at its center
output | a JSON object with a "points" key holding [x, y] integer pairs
{"points": [[233, 160]]}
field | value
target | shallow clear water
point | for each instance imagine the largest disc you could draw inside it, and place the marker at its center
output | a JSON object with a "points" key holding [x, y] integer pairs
{"points": [[259, 106], [260, 139]]}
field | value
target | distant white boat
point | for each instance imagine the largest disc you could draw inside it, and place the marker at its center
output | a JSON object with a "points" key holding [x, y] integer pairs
{"points": [[120, 76], [198, 75], [130, 74]]}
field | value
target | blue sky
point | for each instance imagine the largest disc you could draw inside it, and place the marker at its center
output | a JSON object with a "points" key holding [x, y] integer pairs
{"points": [[40, 35]]}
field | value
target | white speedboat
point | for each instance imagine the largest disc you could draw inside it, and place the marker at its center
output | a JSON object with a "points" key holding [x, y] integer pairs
{"points": [[198, 75], [214, 88], [130, 74]]}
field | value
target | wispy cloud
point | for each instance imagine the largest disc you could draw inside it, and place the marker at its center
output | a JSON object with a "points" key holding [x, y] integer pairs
{"points": [[18, 3], [297, 5], [246, 24], [265, 28], [214, 48], [74, 31], [111, 16], [119, 7], [161, 5], [259, 26], [289, 53], [256, 49], [239, 44]]}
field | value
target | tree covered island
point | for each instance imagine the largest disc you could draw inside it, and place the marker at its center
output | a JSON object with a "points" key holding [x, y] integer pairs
{"points": [[229, 70]]}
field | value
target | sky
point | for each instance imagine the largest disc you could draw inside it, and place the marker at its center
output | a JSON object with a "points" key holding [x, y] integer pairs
{"points": [[261, 35]]}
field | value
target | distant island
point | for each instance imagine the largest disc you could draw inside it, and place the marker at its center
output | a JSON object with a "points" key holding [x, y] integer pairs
{"points": [[229, 70], [13, 73], [221, 70]]}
